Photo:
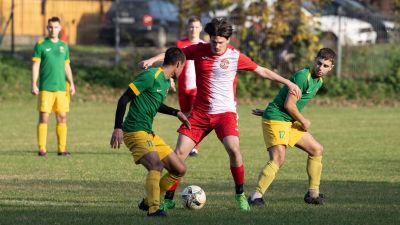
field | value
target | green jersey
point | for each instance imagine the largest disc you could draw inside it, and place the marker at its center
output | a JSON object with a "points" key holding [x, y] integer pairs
{"points": [[52, 57], [150, 87], [309, 87]]}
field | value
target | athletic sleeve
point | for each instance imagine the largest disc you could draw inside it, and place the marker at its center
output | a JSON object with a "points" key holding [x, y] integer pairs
{"points": [[245, 63], [167, 110], [122, 102], [37, 53], [142, 82], [67, 59]]}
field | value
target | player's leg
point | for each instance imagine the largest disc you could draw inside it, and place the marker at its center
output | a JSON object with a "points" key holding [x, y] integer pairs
{"points": [[174, 165], [314, 167], [226, 128], [142, 148], [276, 137], [45, 104], [170, 181], [190, 99], [268, 172], [183, 147], [61, 131], [187, 139], [61, 107], [153, 164], [42, 132], [231, 144]]}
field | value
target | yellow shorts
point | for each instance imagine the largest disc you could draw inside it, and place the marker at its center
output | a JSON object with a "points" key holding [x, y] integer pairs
{"points": [[140, 143], [53, 101], [281, 132]]}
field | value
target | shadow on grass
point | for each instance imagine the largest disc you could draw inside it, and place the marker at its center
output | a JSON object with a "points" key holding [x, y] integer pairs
{"points": [[99, 202], [76, 152]]}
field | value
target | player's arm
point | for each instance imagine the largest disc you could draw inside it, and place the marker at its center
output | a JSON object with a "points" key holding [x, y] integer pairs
{"points": [[117, 135], [149, 62], [174, 112], [270, 75], [291, 108], [35, 76], [68, 74]]}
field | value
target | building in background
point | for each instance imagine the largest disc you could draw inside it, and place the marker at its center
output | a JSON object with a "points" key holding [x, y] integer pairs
{"points": [[81, 19]]}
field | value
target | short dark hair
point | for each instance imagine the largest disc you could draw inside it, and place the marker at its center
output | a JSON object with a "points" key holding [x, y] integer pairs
{"points": [[219, 27], [173, 55], [193, 19], [327, 54], [54, 19]]}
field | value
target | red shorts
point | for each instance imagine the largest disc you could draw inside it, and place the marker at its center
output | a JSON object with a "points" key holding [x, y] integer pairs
{"points": [[224, 124], [186, 99]]}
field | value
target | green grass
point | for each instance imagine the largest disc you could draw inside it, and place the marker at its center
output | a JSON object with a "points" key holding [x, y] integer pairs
{"points": [[97, 185]]}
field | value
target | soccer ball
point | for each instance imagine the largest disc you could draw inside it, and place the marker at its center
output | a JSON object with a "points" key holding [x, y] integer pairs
{"points": [[193, 197]]}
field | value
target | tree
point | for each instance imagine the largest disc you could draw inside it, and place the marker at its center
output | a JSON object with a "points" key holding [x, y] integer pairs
{"points": [[279, 33]]}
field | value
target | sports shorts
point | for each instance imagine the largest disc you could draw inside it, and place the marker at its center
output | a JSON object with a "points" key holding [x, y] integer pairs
{"points": [[224, 124], [53, 101], [281, 132], [140, 143]]}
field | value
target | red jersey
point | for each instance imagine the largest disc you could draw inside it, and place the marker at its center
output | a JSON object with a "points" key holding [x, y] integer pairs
{"points": [[216, 77], [187, 79]]}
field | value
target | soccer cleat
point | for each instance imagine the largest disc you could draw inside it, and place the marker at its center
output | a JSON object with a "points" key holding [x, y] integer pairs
{"points": [[143, 206], [158, 213], [242, 201], [42, 153], [316, 201], [66, 153], [256, 202], [167, 204], [194, 152]]}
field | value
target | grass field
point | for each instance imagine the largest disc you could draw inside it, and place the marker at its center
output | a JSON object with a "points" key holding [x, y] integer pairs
{"points": [[97, 185]]}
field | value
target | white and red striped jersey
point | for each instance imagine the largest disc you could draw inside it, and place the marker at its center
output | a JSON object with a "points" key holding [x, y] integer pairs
{"points": [[187, 79], [216, 77]]}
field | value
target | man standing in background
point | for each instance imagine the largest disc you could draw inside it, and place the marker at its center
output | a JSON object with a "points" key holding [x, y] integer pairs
{"points": [[51, 67], [187, 89]]}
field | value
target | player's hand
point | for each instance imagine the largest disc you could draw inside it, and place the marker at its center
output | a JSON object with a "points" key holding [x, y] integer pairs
{"points": [[72, 89], [184, 119], [35, 90], [306, 124], [258, 112], [116, 138], [146, 64], [294, 90], [173, 86]]}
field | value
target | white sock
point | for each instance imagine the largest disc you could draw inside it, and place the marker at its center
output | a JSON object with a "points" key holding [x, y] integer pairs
{"points": [[255, 195], [314, 193]]}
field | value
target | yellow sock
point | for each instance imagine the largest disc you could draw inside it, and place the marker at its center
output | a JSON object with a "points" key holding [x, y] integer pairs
{"points": [[152, 187], [166, 182], [61, 130], [314, 169], [42, 135], [266, 177]]}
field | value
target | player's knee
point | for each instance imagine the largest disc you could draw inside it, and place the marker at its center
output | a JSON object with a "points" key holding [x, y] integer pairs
{"points": [[178, 169], [234, 151], [156, 165], [61, 118], [318, 150], [181, 170]]}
